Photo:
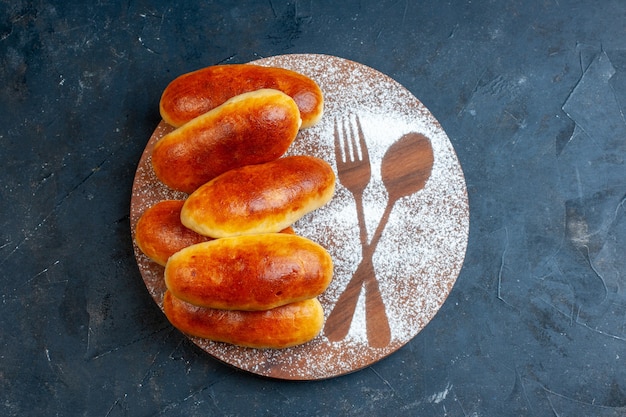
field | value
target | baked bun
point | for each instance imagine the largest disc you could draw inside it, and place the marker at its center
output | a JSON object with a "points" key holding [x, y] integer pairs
{"points": [[195, 93], [159, 233], [282, 327], [261, 198], [252, 272], [250, 128]]}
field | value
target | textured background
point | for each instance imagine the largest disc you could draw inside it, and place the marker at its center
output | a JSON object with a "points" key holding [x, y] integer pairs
{"points": [[532, 96]]}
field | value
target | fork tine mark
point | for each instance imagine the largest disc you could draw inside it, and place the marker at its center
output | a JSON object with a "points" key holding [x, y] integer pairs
{"points": [[362, 144], [339, 156], [353, 144], [347, 149]]}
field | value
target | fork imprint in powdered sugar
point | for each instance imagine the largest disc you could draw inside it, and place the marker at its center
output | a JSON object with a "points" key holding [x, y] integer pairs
{"points": [[354, 172], [353, 165], [406, 166]]}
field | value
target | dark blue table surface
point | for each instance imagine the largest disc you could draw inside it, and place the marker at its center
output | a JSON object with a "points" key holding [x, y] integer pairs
{"points": [[532, 95]]}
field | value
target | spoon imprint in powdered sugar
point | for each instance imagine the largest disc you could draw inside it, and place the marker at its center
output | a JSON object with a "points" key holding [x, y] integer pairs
{"points": [[405, 168]]}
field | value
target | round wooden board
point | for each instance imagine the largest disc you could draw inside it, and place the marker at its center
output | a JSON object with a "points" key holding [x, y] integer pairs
{"points": [[415, 260]]}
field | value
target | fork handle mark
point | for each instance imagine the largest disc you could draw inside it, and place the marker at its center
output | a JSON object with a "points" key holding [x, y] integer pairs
{"points": [[340, 318], [358, 197]]}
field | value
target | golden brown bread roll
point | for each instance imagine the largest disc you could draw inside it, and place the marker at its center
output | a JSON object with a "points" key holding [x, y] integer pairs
{"points": [[259, 198], [159, 233], [195, 93], [285, 326], [252, 272], [250, 128]]}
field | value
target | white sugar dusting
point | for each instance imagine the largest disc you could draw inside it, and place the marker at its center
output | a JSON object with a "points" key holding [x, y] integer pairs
{"points": [[423, 244]]}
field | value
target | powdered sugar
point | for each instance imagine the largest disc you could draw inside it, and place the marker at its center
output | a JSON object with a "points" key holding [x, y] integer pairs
{"points": [[423, 244]]}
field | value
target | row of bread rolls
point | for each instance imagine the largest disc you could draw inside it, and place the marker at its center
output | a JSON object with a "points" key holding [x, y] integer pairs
{"points": [[234, 270], [229, 116], [250, 128], [159, 233]]}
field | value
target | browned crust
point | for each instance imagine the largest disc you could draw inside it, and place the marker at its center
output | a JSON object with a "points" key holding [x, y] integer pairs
{"points": [[197, 92], [285, 326], [160, 234], [260, 198], [251, 128], [255, 272]]}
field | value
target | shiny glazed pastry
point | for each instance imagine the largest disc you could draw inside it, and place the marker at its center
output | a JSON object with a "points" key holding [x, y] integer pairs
{"points": [[252, 272], [259, 198], [250, 128], [159, 233], [282, 327], [195, 93]]}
